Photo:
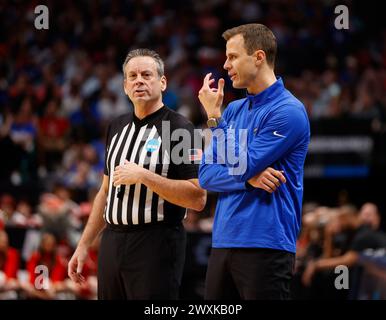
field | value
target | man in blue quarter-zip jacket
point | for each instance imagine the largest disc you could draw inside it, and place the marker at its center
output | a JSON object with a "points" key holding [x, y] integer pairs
{"points": [[254, 231]]}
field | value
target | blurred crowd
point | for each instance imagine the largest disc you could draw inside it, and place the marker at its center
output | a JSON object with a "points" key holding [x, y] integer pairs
{"points": [[332, 237], [60, 87], [32, 239]]}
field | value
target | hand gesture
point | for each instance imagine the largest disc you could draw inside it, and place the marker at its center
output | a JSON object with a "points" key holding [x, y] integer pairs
{"points": [[129, 173], [212, 98]]}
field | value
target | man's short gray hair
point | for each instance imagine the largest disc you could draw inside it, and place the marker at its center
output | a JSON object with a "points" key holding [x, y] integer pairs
{"points": [[143, 52]]}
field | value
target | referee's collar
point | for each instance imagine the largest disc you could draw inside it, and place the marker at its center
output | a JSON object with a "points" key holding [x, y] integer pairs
{"points": [[267, 94], [150, 116]]}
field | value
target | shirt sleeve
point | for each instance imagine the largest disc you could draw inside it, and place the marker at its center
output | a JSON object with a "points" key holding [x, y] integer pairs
{"points": [[215, 177], [213, 173], [280, 132], [107, 145]]}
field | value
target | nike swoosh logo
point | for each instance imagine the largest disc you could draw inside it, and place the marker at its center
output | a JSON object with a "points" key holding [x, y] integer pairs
{"points": [[278, 135]]}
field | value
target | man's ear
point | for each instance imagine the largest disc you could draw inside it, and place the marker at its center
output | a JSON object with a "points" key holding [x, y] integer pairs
{"points": [[164, 83], [259, 56]]}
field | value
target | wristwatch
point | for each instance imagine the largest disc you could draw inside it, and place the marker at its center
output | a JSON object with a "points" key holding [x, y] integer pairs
{"points": [[213, 122]]}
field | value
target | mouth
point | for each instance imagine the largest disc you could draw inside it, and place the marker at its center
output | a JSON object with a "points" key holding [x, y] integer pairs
{"points": [[232, 76]]}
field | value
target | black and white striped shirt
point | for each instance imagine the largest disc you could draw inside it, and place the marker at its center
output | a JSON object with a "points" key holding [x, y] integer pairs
{"points": [[140, 141]]}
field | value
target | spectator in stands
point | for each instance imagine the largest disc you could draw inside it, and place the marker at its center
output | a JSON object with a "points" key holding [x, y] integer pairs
{"points": [[55, 216], [24, 217], [64, 195], [45, 259], [72, 99], [328, 96], [10, 148], [7, 208], [75, 211], [82, 178], [310, 242], [24, 127], [85, 121], [110, 106], [9, 266], [365, 226], [53, 131], [23, 132]]}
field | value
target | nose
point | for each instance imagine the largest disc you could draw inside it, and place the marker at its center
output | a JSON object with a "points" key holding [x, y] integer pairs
{"points": [[139, 80], [226, 65]]}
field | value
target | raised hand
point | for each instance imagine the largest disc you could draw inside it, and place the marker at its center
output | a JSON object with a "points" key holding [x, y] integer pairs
{"points": [[212, 98]]}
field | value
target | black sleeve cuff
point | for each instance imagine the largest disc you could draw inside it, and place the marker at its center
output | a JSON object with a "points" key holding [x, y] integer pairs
{"points": [[249, 186]]}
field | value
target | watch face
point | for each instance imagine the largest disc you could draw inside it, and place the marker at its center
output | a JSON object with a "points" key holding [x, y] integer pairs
{"points": [[212, 123]]}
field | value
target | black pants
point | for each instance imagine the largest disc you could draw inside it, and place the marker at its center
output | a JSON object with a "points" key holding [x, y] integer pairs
{"points": [[249, 274], [141, 264]]}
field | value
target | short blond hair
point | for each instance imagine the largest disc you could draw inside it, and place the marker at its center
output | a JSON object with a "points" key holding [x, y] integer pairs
{"points": [[256, 37]]}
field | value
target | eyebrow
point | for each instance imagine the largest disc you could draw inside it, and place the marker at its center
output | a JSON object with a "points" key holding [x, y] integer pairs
{"points": [[144, 71]]}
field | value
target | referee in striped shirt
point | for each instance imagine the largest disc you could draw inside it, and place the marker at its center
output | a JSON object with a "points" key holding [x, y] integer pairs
{"points": [[144, 193]]}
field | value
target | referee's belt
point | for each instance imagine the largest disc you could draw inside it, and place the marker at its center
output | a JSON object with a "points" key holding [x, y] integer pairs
{"points": [[143, 226]]}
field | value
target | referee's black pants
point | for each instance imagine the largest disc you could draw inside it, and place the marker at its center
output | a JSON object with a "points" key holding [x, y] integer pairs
{"points": [[249, 274], [141, 264]]}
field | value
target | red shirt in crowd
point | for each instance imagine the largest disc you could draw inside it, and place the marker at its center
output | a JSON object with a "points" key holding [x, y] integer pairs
{"points": [[53, 127], [57, 267], [11, 263]]}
